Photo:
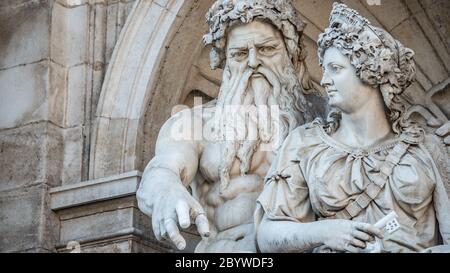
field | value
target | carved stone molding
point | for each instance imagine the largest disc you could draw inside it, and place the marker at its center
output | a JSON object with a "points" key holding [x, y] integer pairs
{"points": [[101, 215]]}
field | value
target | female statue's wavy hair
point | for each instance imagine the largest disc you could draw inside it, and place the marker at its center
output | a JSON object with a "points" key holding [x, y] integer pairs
{"points": [[380, 61]]}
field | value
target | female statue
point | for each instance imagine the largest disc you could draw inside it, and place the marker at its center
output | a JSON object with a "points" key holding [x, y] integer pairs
{"points": [[333, 184]]}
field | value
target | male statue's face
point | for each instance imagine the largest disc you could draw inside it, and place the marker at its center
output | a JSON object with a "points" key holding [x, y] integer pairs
{"points": [[258, 74], [254, 45]]}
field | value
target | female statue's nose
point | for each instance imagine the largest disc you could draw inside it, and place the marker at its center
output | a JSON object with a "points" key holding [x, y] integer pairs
{"points": [[326, 80]]}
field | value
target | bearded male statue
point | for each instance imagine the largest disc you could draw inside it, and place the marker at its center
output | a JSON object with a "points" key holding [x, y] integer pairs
{"points": [[212, 175]]}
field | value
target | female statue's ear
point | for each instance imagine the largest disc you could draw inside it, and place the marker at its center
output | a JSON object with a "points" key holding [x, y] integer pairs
{"points": [[387, 92]]}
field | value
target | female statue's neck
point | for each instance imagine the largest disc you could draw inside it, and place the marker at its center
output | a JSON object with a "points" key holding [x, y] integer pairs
{"points": [[365, 126]]}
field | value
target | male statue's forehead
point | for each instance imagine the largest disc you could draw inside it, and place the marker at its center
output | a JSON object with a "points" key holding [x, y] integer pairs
{"points": [[256, 31]]}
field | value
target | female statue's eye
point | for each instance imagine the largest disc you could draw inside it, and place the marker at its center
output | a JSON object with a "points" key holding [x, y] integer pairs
{"points": [[335, 68]]}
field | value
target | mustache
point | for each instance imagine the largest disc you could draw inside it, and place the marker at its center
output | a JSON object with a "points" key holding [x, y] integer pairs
{"points": [[242, 81], [271, 77], [242, 91], [274, 87]]}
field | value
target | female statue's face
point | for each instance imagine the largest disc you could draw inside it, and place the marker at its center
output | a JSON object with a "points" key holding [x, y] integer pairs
{"points": [[345, 89]]}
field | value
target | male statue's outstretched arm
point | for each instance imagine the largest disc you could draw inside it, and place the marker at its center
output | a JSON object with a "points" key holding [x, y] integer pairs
{"points": [[162, 193]]}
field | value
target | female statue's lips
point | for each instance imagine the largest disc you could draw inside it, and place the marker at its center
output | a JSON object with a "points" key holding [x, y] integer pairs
{"points": [[331, 91]]}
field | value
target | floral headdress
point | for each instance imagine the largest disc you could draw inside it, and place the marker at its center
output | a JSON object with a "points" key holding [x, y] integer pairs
{"points": [[380, 60]]}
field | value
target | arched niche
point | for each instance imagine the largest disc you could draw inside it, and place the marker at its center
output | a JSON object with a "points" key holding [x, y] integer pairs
{"points": [[146, 77], [159, 61]]}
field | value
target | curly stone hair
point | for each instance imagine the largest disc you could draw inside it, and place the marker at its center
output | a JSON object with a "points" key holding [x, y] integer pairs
{"points": [[380, 60], [226, 13]]}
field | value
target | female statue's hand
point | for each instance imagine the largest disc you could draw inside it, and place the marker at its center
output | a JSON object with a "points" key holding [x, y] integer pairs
{"points": [[350, 236], [444, 132]]}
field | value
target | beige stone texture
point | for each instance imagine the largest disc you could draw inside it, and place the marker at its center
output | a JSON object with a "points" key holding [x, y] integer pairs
{"points": [[24, 100], [23, 31], [27, 226], [102, 216], [31, 154], [85, 86], [69, 34]]}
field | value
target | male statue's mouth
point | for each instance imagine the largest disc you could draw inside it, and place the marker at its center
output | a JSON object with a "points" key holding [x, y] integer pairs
{"points": [[257, 75]]}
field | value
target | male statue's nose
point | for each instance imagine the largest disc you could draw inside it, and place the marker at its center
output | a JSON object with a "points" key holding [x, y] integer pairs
{"points": [[253, 59]]}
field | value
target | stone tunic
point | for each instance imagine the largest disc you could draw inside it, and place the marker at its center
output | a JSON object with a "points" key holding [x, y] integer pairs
{"points": [[314, 176]]}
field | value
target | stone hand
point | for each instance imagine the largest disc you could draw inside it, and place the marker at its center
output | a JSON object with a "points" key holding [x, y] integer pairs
{"points": [[349, 236], [175, 206], [444, 131]]}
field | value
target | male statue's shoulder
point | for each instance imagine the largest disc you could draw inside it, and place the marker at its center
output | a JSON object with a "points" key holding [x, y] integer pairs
{"points": [[178, 123], [188, 124], [307, 131], [176, 118], [190, 114], [310, 128], [433, 140], [313, 125]]}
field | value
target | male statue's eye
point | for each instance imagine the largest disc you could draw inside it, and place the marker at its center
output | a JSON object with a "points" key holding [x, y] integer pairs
{"points": [[239, 54], [267, 49]]}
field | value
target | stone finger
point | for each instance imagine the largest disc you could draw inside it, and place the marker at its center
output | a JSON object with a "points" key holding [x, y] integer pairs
{"points": [[447, 140], [358, 243], [370, 229], [202, 225], [182, 210], [156, 228], [174, 233], [363, 236], [444, 130], [351, 249]]}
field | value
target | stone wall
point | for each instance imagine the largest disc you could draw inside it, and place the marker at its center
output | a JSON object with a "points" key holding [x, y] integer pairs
{"points": [[53, 56], [27, 136]]}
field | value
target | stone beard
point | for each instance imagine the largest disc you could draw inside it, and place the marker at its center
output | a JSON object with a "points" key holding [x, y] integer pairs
{"points": [[277, 96]]}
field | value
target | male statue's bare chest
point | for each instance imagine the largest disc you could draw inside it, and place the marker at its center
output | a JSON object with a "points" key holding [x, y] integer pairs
{"points": [[212, 156]]}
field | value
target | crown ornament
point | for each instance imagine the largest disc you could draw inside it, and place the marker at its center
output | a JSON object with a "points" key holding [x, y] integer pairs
{"points": [[341, 14], [344, 17], [371, 49]]}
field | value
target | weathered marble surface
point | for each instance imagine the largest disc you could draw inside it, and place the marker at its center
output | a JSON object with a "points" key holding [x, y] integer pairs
{"points": [[333, 183], [52, 132], [263, 67]]}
